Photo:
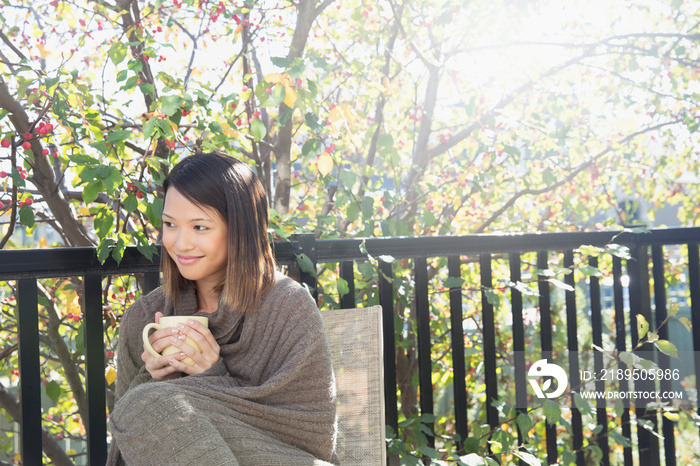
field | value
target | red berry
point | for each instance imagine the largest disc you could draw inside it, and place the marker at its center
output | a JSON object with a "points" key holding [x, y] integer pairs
{"points": [[28, 136], [29, 201], [45, 152], [26, 145], [139, 194], [5, 143], [109, 354], [3, 174]]}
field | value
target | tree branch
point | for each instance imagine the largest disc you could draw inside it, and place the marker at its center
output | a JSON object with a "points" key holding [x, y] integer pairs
{"points": [[573, 174], [10, 404]]}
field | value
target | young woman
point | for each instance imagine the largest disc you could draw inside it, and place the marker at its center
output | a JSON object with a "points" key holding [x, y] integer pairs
{"points": [[261, 390]]}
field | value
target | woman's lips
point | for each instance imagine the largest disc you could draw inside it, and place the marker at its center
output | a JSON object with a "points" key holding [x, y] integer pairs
{"points": [[187, 260]]}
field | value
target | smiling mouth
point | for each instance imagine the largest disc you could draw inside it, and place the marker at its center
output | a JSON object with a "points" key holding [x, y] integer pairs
{"points": [[186, 260]]}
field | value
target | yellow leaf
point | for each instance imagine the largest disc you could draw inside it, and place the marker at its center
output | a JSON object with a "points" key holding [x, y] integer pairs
{"points": [[275, 78], [290, 95], [228, 131], [42, 242], [340, 115], [672, 416], [42, 51], [83, 210], [325, 164], [71, 452], [110, 375]]}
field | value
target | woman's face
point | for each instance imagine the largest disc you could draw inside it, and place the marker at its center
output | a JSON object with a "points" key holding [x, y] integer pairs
{"points": [[196, 238]]}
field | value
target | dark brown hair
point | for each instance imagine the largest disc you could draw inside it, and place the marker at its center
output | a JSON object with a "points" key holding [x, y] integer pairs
{"points": [[231, 188]]}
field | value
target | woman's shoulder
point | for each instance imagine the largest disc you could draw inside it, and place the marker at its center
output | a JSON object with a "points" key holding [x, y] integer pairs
{"points": [[287, 292], [146, 306]]}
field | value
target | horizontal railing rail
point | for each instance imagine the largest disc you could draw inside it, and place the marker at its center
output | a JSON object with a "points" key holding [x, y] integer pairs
{"points": [[484, 251]]}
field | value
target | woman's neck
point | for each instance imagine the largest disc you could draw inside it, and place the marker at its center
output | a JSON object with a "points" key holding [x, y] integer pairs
{"points": [[207, 298]]}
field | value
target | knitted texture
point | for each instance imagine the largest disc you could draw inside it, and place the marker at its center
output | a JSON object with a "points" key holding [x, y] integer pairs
{"points": [[270, 399]]}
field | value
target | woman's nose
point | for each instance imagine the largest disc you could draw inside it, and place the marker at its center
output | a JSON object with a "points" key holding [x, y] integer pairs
{"points": [[183, 242]]}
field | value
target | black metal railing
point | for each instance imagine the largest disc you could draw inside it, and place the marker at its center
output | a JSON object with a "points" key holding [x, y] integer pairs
{"points": [[487, 252]]}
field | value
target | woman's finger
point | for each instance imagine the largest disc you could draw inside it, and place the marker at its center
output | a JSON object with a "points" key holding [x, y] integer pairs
{"points": [[201, 336]]}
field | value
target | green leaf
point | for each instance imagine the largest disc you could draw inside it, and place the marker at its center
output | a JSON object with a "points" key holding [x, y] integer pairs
{"points": [[103, 249], [352, 212], [552, 411], [80, 339], [343, 287], [135, 65], [429, 452], [171, 104], [117, 52], [311, 148], [367, 207], [623, 252], [120, 135], [527, 458], [147, 88], [673, 309], [453, 282], [91, 191], [53, 390], [524, 424], [26, 216], [348, 178], [280, 62], [257, 129], [590, 250], [584, 406], [642, 326], [471, 444], [686, 323], [131, 203], [620, 439], [667, 347], [51, 82], [561, 284], [311, 120], [306, 265], [590, 271]]}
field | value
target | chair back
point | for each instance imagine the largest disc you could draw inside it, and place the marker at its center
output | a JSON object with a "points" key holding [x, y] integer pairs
{"points": [[355, 339]]}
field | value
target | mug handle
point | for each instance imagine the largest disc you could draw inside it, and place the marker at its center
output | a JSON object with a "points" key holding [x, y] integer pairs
{"points": [[146, 343]]}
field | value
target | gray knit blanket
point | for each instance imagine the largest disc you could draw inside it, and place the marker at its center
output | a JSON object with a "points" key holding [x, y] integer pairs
{"points": [[270, 400]]}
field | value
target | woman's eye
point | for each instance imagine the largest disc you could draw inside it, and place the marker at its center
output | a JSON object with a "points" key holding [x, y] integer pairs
{"points": [[200, 228], [167, 224]]}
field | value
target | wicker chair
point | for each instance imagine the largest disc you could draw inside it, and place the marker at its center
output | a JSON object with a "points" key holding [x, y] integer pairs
{"points": [[355, 338]]}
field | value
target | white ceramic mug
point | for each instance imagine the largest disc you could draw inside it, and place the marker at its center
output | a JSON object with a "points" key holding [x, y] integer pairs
{"points": [[167, 322]]}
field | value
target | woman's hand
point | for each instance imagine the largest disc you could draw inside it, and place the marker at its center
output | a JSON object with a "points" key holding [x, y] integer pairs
{"points": [[208, 353], [160, 368]]}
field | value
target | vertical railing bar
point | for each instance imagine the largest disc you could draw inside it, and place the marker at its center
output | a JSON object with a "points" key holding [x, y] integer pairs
{"points": [[640, 304], [597, 330], [347, 273], [572, 343], [151, 280], [516, 299], [621, 345], [386, 300], [307, 245], [425, 365], [457, 337], [489, 330], [664, 361], [29, 371], [96, 422], [694, 284], [546, 342]]}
